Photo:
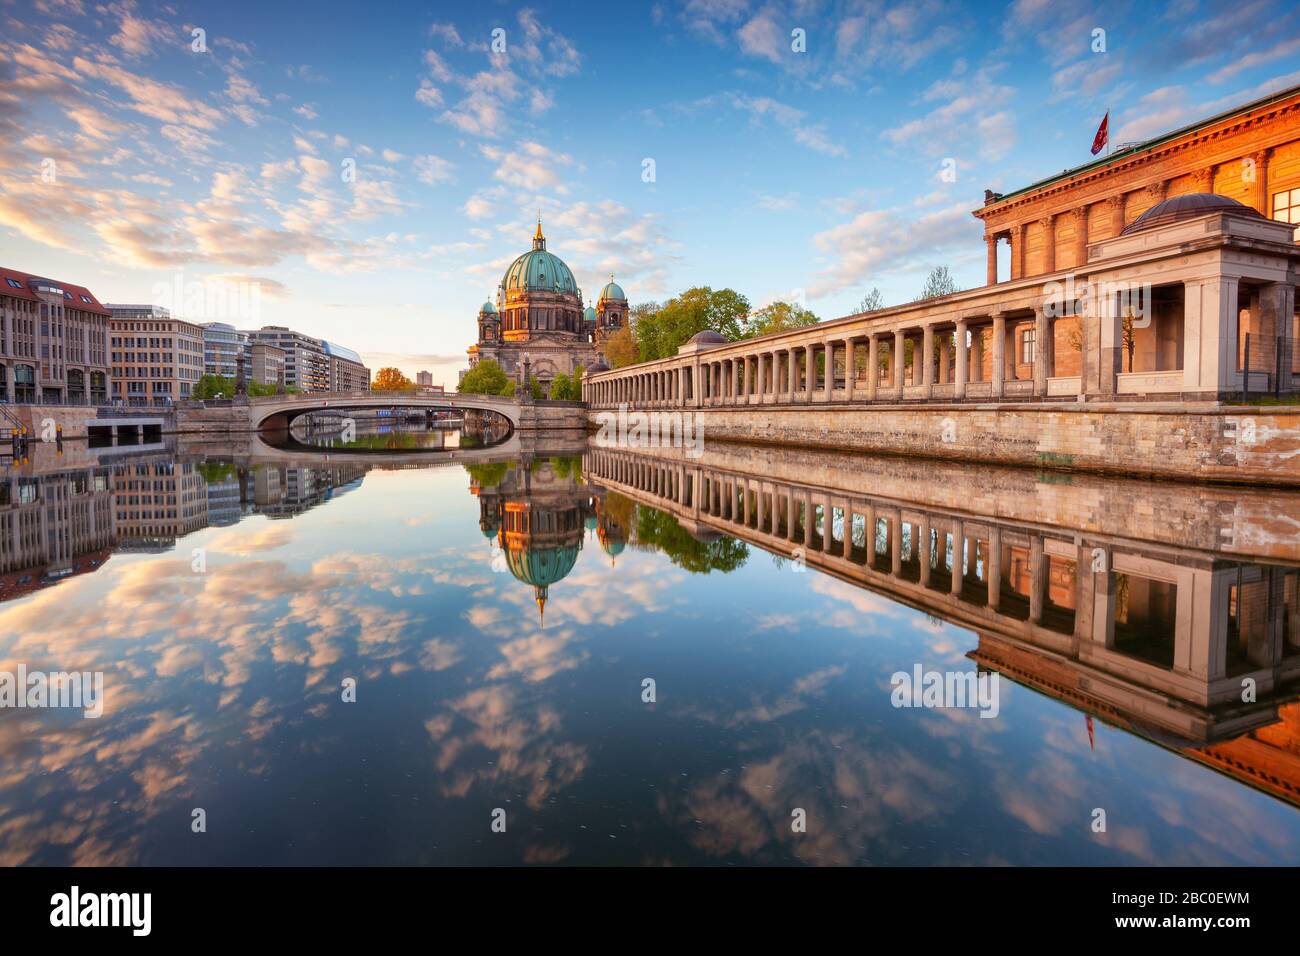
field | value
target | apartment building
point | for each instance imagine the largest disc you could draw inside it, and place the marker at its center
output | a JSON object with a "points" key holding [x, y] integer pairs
{"points": [[156, 357], [53, 341], [222, 345]]}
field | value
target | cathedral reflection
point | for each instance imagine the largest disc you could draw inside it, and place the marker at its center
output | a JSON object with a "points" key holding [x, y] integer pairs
{"points": [[538, 513]]}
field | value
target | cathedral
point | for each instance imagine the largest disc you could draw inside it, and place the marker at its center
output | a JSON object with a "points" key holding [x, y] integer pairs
{"points": [[538, 313]]}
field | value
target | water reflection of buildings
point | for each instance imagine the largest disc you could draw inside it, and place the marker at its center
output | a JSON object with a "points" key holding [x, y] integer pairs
{"points": [[53, 527], [539, 512], [58, 521], [1168, 636]]}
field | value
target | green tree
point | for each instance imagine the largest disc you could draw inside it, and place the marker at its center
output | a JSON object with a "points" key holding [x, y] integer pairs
{"points": [[213, 386], [620, 348], [660, 331], [777, 317], [937, 283], [561, 388], [507, 390], [485, 378], [661, 531], [872, 301]]}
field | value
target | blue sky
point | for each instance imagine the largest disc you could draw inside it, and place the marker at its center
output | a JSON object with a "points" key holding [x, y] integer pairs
{"points": [[130, 162]]}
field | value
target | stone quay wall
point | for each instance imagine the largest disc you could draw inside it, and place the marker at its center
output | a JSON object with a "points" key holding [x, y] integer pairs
{"points": [[1201, 442]]}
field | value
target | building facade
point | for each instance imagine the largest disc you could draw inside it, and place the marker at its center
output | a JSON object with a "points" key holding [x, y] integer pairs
{"points": [[53, 341], [423, 378], [539, 313], [347, 373], [266, 364], [156, 357], [1129, 280], [222, 346], [312, 364]]}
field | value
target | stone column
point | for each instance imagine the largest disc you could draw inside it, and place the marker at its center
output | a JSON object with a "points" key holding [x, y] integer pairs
{"points": [[897, 358], [829, 348], [1041, 343], [1018, 251], [975, 366], [926, 356], [1115, 206], [791, 374], [945, 357], [746, 382], [991, 242], [958, 558], [959, 371], [1048, 226], [923, 549], [993, 567], [999, 354], [873, 361], [810, 363], [1037, 578], [1259, 195], [1080, 216]]}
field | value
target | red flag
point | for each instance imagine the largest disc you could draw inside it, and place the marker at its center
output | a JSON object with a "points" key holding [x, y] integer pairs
{"points": [[1103, 135]]}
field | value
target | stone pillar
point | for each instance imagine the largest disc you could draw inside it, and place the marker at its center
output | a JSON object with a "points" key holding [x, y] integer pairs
{"points": [[791, 374], [1048, 226], [1018, 251], [959, 371], [1041, 342], [1115, 206], [746, 381], [873, 362], [829, 349], [1259, 194], [945, 357], [896, 543], [897, 359], [1080, 216], [1110, 346], [926, 357], [810, 370], [958, 557], [1037, 578], [999, 354], [991, 242], [923, 549], [993, 567]]}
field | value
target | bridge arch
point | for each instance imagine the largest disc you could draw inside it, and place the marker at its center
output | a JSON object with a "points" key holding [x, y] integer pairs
{"points": [[279, 411]]}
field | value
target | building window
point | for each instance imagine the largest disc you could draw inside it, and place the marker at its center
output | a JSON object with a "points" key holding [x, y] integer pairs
{"points": [[1027, 347], [1286, 206]]}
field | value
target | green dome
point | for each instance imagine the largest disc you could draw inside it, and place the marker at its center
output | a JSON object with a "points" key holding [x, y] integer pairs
{"points": [[542, 567], [539, 271], [589, 314], [613, 547], [612, 290], [488, 308]]}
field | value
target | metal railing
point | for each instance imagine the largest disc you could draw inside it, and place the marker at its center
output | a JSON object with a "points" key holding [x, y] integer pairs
{"points": [[1270, 365]]}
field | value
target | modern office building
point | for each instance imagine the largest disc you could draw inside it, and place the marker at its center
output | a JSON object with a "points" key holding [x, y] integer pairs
{"points": [[266, 364], [347, 372], [306, 366], [53, 341], [222, 344], [423, 378], [156, 357]]}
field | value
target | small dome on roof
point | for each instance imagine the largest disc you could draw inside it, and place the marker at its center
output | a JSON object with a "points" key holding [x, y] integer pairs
{"points": [[487, 308], [612, 290], [1186, 207], [598, 366], [589, 314], [708, 337]]}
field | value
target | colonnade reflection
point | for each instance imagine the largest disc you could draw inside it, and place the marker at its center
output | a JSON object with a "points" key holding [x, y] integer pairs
{"points": [[1182, 635]]}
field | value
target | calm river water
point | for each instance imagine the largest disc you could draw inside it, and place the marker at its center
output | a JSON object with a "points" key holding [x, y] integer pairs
{"points": [[621, 658]]}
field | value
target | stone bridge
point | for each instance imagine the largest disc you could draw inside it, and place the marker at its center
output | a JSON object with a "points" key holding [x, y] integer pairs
{"points": [[279, 411]]}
